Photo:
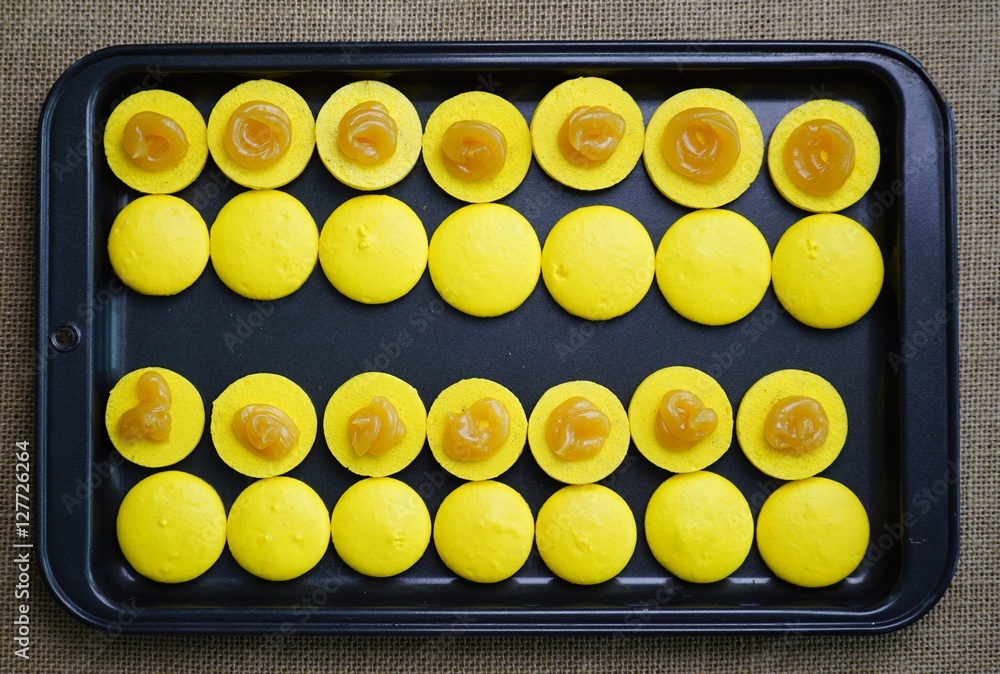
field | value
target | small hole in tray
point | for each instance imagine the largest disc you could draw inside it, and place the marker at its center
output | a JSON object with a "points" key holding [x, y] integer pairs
{"points": [[64, 337]]}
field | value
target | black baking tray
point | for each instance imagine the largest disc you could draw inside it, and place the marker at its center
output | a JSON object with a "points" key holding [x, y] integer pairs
{"points": [[896, 368]]}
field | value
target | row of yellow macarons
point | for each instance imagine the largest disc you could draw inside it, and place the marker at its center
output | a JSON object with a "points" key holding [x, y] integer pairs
{"points": [[713, 266], [172, 527], [791, 424], [702, 147]]}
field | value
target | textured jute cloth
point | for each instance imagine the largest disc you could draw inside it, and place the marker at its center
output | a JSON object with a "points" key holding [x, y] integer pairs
{"points": [[959, 45]]}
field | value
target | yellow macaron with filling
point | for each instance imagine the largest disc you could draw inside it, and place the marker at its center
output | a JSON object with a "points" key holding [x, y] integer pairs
{"points": [[827, 270], [815, 148], [264, 244], [587, 133], [598, 262], [356, 419], [650, 403], [483, 531], [485, 259], [254, 439], [476, 429], [279, 528], [380, 527], [373, 248], [797, 447], [714, 141], [172, 527], [166, 137], [481, 162], [261, 134], [699, 527], [585, 534], [578, 432], [813, 532], [368, 135], [713, 266], [144, 407], [158, 245]]}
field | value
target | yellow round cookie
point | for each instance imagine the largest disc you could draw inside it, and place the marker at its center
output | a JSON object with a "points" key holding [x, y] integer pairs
{"points": [[279, 528], [187, 420], [684, 190], [408, 135], [699, 527], [585, 534], [481, 107], [866, 155], [757, 404], [172, 527], [581, 471], [713, 266], [483, 531], [598, 262], [827, 270], [645, 407], [485, 259], [813, 532], [184, 114], [158, 245], [302, 134], [456, 399], [551, 114], [264, 244], [357, 393], [373, 248], [262, 389], [380, 527]]}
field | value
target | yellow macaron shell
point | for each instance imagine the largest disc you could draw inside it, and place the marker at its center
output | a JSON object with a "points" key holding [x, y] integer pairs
{"points": [[482, 107], [551, 114], [645, 406], [264, 244], [684, 190], [827, 270], [302, 134], [587, 470], [485, 259], [813, 532], [456, 399], [172, 527], [380, 527], [757, 404], [713, 266], [408, 135], [279, 528], [187, 117], [598, 262], [158, 245], [187, 419], [357, 393], [373, 248], [262, 389], [483, 531], [699, 527], [866, 155], [585, 534]]}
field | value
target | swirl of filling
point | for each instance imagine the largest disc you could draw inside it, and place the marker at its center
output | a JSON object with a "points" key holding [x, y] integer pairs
{"points": [[478, 432], [367, 134], [154, 142], [796, 425], [150, 419], [702, 144], [375, 428], [683, 420], [258, 134], [819, 157], [265, 430], [473, 150], [576, 429], [590, 135]]}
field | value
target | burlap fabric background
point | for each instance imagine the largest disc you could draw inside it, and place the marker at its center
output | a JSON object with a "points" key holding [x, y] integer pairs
{"points": [[960, 48]]}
